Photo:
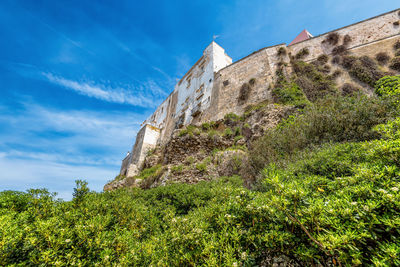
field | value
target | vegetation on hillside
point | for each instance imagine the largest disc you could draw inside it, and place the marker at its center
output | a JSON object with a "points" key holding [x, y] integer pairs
{"points": [[327, 193]]}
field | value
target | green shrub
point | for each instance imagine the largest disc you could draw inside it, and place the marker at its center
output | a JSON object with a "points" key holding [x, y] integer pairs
{"points": [[237, 138], [330, 197], [363, 69], [206, 126], [388, 86], [322, 59], [232, 117], [290, 94], [250, 108], [337, 205], [396, 46], [119, 177], [190, 130], [332, 38], [177, 169], [339, 50], [347, 39], [314, 83], [80, 191], [349, 89], [212, 133], [302, 53], [202, 167], [395, 64], [334, 119], [150, 175], [382, 57], [244, 92], [281, 51], [237, 131], [252, 81], [190, 160], [228, 132]]}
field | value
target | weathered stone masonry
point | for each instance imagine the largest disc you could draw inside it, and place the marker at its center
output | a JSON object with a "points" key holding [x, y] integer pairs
{"points": [[212, 87]]}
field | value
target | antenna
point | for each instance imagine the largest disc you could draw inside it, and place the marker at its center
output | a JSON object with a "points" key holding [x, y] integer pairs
{"points": [[215, 37]]}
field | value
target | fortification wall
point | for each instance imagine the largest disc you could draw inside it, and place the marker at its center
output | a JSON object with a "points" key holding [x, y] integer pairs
{"points": [[259, 67], [146, 139], [368, 37], [214, 87], [125, 164], [362, 33]]}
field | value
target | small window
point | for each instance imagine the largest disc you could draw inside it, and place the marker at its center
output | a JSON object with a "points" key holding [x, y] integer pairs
{"points": [[188, 80], [201, 66], [200, 89]]}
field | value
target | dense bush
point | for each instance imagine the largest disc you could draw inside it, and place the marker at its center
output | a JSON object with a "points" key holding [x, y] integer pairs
{"points": [[388, 86], [332, 119], [338, 205], [344, 200], [289, 93], [312, 81], [349, 89], [382, 57], [334, 204], [363, 69], [395, 63], [332, 38]]}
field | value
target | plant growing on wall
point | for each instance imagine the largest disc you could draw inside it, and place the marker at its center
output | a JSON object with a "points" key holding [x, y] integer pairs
{"points": [[332, 38], [245, 90], [382, 58]]}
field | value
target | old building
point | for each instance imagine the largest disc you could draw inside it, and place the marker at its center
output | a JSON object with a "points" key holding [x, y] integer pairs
{"points": [[214, 86]]}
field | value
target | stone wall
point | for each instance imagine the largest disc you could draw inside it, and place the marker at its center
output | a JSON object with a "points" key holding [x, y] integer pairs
{"points": [[368, 37], [146, 139], [362, 33], [256, 70], [214, 87], [125, 164]]}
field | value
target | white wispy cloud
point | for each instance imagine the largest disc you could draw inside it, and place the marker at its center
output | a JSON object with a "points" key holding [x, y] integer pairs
{"points": [[106, 93], [86, 145]]}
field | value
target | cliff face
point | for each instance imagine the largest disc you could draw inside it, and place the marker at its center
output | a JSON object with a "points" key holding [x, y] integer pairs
{"points": [[261, 89]]}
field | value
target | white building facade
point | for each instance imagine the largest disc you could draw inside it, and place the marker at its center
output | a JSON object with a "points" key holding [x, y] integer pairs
{"points": [[192, 95]]}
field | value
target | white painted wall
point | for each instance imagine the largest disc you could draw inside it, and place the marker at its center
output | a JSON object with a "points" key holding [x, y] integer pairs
{"points": [[201, 77], [158, 118]]}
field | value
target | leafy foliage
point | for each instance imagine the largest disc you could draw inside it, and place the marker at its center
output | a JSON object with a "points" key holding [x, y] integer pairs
{"points": [[388, 86], [336, 203], [340, 204], [289, 93], [363, 69], [314, 83], [333, 119]]}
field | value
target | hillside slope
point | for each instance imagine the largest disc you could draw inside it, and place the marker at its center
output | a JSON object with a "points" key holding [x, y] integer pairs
{"points": [[314, 180]]}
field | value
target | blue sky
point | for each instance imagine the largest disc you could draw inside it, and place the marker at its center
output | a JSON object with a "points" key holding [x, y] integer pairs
{"points": [[78, 77]]}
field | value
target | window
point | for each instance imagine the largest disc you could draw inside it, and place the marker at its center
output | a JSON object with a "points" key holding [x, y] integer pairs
{"points": [[188, 80], [200, 90], [201, 66]]}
